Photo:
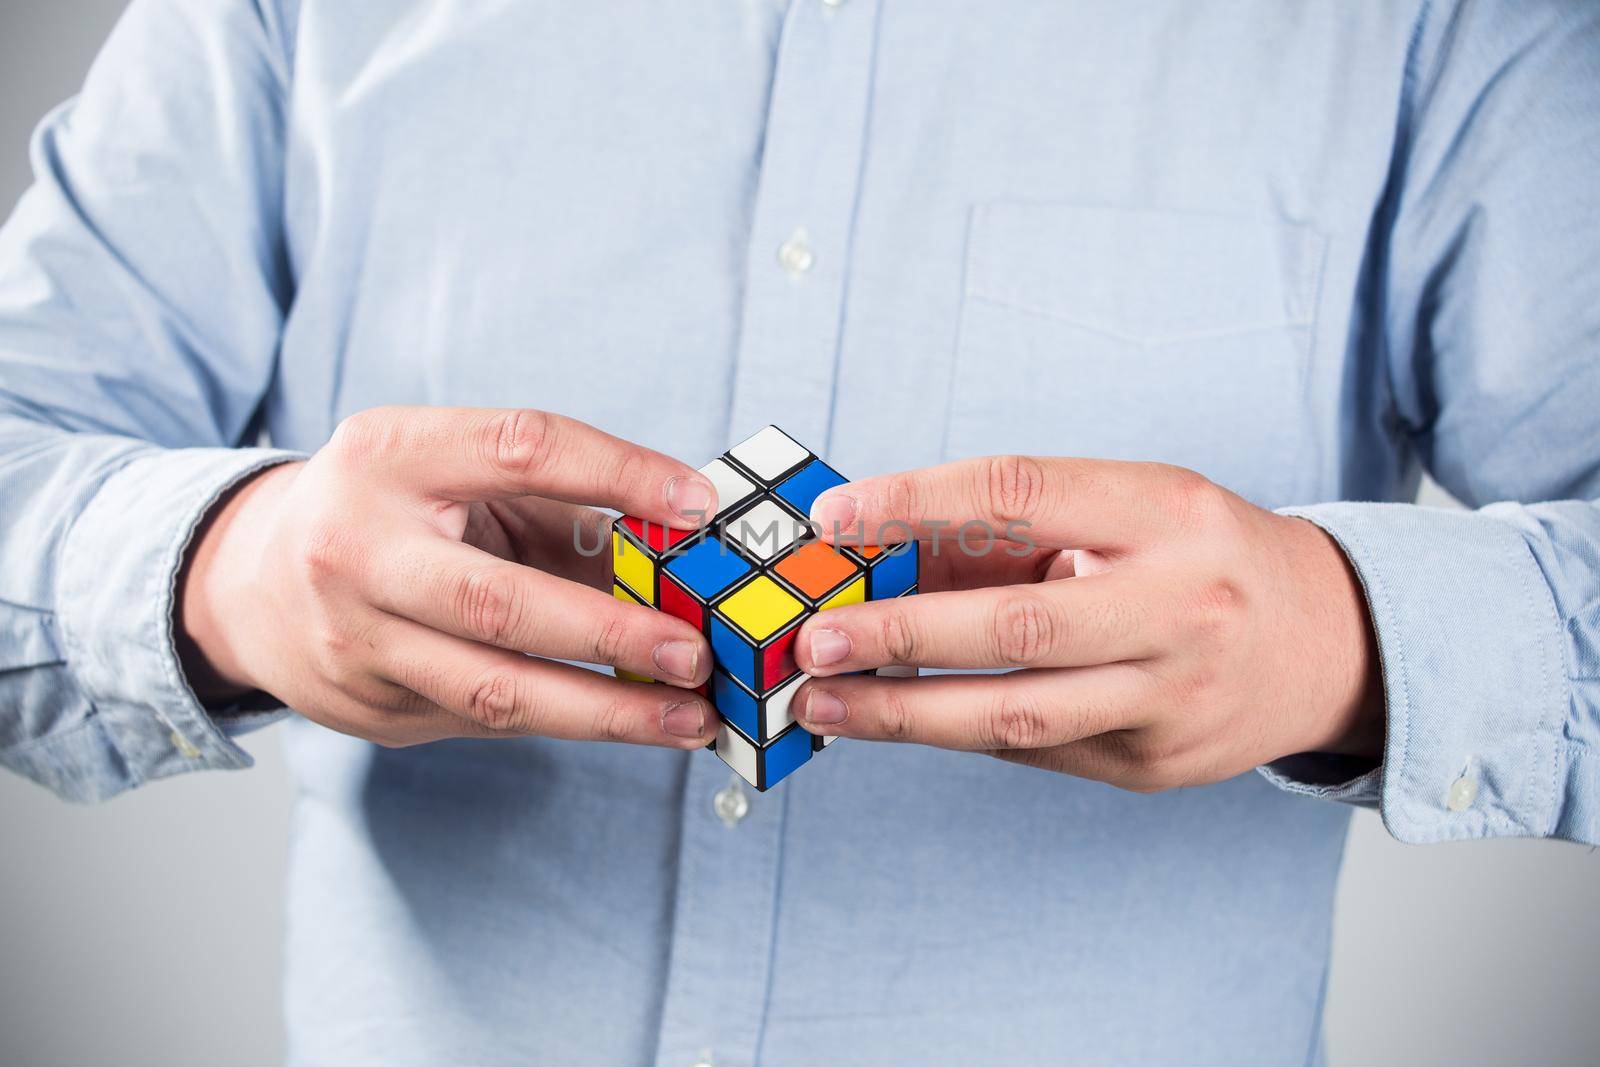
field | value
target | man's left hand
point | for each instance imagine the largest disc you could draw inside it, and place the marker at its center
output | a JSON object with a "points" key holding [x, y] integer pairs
{"points": [[1177, 634]]}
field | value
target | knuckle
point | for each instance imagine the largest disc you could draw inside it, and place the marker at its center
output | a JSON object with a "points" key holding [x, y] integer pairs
{"points": [[1014, 486], [326, 552], [1196, 502], [521, 441], [492, 701], [899, 636], [632, 470], [894, 717], [488, 606], [1024, 629], [1218, 610], [363, 436], [614, 722], [1015, 721], [610, 641], [335, 648], [902, 498]]}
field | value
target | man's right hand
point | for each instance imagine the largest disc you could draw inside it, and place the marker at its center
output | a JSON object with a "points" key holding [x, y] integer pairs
{"points": [[381, 588]]}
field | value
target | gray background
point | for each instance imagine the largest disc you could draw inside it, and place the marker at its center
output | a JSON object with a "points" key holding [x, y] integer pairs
{"points": [[147, 931]]}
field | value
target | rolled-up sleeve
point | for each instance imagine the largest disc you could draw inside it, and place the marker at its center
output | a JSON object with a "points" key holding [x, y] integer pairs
{"points": [[1488, 620], [143, 285]]}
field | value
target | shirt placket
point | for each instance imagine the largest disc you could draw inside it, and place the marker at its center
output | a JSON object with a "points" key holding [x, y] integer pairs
{"points": [[731, 839], [797, 261]]}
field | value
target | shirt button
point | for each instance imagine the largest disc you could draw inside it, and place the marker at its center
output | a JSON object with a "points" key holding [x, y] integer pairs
{"points": [[1463, 791], [795, 255], [730, 803]]}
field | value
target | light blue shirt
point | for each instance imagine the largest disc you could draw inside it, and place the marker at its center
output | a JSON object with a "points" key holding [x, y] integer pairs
{"points": [[1305, 248]]}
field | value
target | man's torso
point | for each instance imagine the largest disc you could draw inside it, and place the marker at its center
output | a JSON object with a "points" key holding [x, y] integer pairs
{"points": [[1101, 229]]}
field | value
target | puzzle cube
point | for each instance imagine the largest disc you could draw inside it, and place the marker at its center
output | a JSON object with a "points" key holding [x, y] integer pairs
{"points": [[748, 580]]}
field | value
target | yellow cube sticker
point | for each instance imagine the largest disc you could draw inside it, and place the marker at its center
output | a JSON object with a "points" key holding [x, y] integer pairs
{"points": [[633, 568], [854, 593], [761, 607]]}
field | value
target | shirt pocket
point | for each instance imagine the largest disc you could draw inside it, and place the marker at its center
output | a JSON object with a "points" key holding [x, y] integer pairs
{"points": [[1139, 334]]}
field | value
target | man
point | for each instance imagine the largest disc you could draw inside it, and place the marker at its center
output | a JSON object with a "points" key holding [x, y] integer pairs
{"points": [[462, 256]]}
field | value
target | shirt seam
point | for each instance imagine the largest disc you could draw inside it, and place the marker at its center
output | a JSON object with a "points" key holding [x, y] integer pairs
{"points": [[845, 276], [1408, 107], [975, 214], [1560, 698]]}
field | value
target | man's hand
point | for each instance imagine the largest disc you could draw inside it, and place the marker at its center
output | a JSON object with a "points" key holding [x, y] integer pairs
{"points": [[387, 587], [1181, 635]]}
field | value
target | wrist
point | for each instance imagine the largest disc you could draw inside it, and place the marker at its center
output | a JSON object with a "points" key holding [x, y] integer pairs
{"points": [[218, 581], [1341, 649]]}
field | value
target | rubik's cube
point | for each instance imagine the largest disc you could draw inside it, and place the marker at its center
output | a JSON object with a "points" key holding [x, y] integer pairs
{"points": [[747, 580]]}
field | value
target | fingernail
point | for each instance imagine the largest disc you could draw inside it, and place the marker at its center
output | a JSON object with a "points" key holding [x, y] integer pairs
{"points": [[825, 709], [834, 512], [677, 659], [829, 647], [690, 498], [684, 720]]}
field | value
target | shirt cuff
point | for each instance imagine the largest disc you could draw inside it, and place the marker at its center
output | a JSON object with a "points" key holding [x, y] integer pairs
{"points": [[1473, 675], [115, 599]]}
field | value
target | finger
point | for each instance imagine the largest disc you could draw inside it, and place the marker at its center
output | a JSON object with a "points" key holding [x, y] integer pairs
{"points": [[977, 713], [509, 693], [1106, 619], [457, 589], [969, 505], [477, 454]]}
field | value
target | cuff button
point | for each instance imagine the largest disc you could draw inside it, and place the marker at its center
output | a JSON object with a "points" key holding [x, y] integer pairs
{"points": [[1463, 791], [184, 746]]}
